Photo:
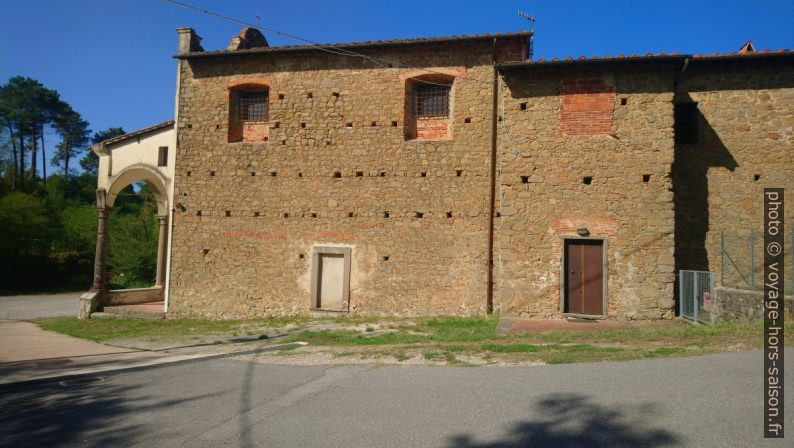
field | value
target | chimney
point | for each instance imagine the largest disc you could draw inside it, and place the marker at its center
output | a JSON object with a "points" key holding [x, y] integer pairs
{"points": [[189, 41]]}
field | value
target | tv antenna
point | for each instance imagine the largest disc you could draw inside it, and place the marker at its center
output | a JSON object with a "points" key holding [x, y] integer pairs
{"points": [[531, 19], [257, 20]]}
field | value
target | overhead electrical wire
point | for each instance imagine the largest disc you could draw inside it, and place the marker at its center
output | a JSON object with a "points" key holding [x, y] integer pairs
{"points": [[319, 46]]}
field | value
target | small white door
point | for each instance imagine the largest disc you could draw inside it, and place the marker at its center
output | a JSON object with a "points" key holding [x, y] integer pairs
{"points": [[331, 271]]}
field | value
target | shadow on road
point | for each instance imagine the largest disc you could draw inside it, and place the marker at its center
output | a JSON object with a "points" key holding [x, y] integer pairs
{"points": [[80, 411], [573, 421]]}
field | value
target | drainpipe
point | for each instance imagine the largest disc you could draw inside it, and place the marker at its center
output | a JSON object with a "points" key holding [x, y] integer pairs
{"points": [[492, 189]]}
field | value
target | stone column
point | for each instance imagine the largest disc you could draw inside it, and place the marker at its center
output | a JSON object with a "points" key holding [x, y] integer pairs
{"points": [[161, 250], [100, 259]]}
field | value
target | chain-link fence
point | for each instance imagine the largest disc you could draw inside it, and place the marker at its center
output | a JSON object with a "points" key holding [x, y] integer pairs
{"points": [[742, 259]]}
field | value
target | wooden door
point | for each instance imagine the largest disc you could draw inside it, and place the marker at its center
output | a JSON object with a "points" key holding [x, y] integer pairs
{"points": [[584, 277]]}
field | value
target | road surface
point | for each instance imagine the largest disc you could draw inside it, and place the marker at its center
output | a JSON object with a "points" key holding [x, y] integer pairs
{"points": [[701, 401], [38, 306]]}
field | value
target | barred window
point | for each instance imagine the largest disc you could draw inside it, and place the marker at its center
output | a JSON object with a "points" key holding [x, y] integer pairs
{"points": [[432, 100], [253, 106]]}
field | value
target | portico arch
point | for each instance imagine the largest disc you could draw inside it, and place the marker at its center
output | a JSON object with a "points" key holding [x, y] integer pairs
{"points": [[135, 173], [147, 155]]}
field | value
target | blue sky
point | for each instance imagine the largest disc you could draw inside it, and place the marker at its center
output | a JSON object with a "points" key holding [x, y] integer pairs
{"points": [[112, 59]]}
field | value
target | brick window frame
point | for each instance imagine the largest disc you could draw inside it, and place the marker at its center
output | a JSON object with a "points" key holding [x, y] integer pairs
{"points": [[249, 111], [429, 107]]}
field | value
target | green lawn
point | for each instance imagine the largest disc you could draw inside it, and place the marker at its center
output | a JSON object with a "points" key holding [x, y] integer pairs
{"points": [[103, 330], [442, 339]]}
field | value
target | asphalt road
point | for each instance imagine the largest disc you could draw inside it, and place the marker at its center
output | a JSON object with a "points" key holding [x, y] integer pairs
{"points": [[38, 306], [708, 401]]}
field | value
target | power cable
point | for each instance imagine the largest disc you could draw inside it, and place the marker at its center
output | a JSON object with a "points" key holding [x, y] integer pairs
{"points": [[384, 63]]}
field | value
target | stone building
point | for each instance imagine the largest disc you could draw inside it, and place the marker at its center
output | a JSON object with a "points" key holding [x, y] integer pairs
{"points": [[454, 176]]}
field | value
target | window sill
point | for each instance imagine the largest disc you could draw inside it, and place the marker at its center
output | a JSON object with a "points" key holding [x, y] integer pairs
{"points": [[424, 140], [243, 142]]}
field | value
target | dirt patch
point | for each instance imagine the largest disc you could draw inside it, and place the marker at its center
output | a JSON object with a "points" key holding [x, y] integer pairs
{"points": [[397, 355]]}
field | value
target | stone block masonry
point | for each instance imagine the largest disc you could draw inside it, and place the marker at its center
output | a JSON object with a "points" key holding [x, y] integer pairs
{"points": [[570, 159], [336, 169], [745, 142], [584, 151]]}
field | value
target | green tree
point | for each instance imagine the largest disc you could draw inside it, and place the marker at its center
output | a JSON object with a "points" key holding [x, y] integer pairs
{"points": [[27, 231], [75, 135], [49, 229], [26, 107], [52, 106], [132, 250], [90, 162]]}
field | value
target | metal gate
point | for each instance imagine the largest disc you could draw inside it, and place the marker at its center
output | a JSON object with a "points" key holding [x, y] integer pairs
{"points": [[695, 291]]}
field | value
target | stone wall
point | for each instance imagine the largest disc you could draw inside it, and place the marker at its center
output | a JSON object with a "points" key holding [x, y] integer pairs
{"points": [[746, 144], [342, 161], [132, 296], [572, 156], [744, 306], [336, 170]]}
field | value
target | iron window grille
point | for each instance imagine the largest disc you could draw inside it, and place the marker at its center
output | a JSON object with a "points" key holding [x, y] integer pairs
{"points": [[253, 106], [432, 101]]}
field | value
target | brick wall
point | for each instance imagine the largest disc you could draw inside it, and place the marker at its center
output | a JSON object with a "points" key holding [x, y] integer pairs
{"points": [[586, 105], [433, 129]]}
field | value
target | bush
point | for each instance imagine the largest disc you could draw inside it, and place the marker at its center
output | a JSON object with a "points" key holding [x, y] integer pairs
{"points": [[49, 238]]}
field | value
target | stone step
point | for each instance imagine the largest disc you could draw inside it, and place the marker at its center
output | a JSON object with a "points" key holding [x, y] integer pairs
{"points": [[327, 314], [130, 313]]}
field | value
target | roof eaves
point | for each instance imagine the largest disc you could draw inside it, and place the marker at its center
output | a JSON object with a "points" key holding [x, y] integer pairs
{"points": [[352, 45], [762, 54], [138, 133], [595, 60], [649, 57]]}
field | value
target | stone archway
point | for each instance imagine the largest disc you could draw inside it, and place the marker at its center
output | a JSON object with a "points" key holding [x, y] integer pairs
{"points": [[157, 183], [135, 173], [138, 156], [105, 201]]}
